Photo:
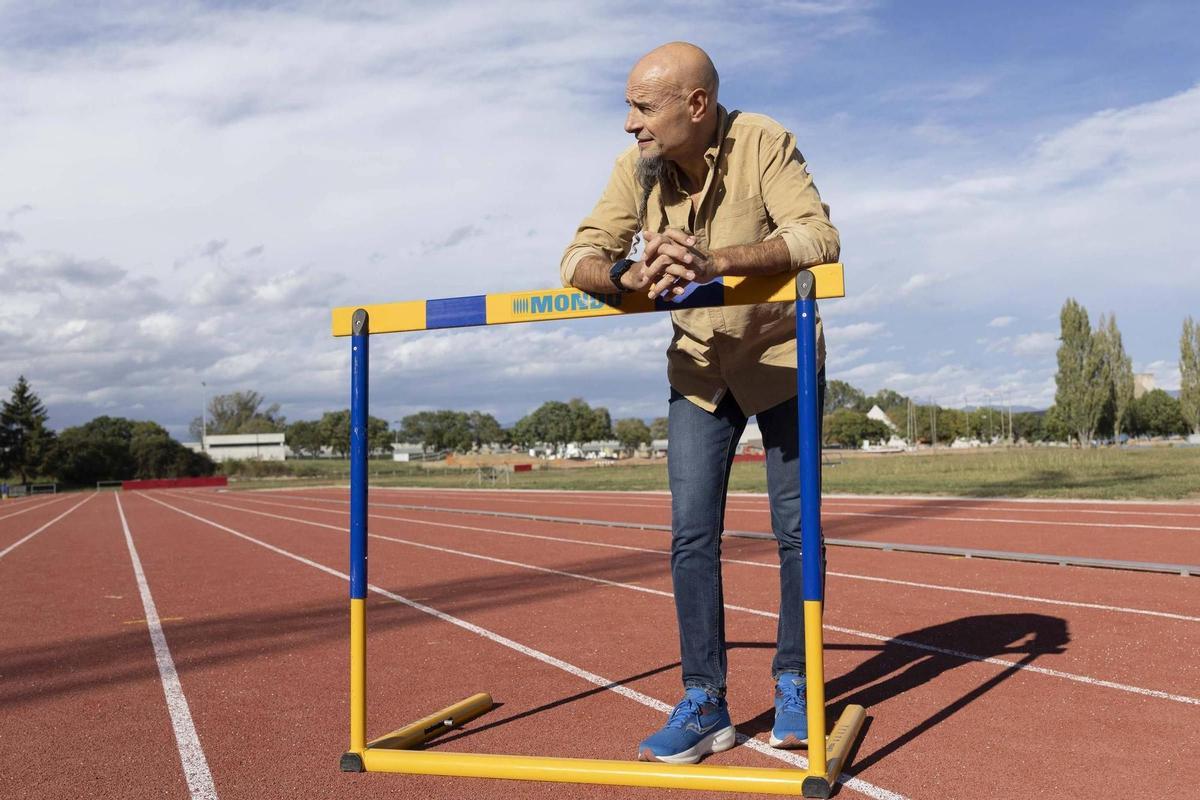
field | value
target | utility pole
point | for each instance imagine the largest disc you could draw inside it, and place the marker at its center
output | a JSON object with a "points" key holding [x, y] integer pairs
{"points": [[203, 416], [932, 424]]}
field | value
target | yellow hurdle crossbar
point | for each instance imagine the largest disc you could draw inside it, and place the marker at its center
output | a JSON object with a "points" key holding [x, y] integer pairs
{"points": [[548, 305]]}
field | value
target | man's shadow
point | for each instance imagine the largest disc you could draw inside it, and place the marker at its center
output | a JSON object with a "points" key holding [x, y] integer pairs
{"points": [[910, 660]]}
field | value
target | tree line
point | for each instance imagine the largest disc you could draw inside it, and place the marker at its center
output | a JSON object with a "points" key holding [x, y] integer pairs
{"points": [[554, 423], [106, 448], [1094, 398]]}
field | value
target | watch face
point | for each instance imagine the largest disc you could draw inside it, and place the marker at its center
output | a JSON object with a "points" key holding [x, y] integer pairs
{"points": [[618, 269]]}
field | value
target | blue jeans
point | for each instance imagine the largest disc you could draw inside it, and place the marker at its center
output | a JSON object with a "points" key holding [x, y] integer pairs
{"points": [[701, 446]]}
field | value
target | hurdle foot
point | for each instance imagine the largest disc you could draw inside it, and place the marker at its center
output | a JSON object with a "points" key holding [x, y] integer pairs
{"points": [[816, 787], [352, 762], [434, 725]]}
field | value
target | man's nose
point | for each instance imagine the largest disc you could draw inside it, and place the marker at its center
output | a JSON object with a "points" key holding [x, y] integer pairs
{"points": [[633, 121]]}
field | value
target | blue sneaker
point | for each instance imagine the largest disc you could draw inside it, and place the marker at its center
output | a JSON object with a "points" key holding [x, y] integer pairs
{"points": [[791, 712], [699, 725]]}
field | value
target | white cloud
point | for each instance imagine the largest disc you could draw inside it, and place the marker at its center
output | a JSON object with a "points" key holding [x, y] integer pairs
{"points": [[1001, 322], [920, 280], [854, 332], [1036, 343]]}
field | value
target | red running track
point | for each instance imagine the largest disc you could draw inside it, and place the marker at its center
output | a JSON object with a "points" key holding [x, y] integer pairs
{"points": [[1080, 658]]}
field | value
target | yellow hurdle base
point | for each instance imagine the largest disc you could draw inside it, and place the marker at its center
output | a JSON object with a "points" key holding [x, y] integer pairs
{"points": [[389, 754]]}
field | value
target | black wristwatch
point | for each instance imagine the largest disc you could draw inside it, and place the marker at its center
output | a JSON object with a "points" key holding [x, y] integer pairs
{"points": [[617, 270]]}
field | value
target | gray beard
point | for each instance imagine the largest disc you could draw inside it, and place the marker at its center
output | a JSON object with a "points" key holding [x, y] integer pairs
{"points": [[650, 172]]}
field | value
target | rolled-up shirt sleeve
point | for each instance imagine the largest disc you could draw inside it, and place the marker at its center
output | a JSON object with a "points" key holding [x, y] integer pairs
{"points": [[795, 206], [609, 230]]}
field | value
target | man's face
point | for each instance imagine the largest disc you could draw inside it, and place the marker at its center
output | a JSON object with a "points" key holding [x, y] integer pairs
{"points": [[658, 116]]}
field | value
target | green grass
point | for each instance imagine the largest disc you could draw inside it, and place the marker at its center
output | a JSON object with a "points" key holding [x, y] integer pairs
{"points": [[1161, 473]]}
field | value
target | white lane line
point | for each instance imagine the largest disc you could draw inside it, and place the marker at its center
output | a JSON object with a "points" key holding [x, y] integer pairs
{"points": [[32, 507], [876, 501], [1008, 521], [775, 566], [845, 779], [29, 536], [919, 498], [826, 511], [1085, 679], [191, 754]]}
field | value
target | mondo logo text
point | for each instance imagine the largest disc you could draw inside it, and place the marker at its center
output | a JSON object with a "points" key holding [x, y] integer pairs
{"points": [[562, 302]]}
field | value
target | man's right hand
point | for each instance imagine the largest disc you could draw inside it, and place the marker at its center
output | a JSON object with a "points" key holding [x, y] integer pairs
{"points": [[671, 261]]}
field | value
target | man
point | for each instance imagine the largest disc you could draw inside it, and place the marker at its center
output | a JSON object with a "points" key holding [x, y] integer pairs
{"points": [[713, 193]]}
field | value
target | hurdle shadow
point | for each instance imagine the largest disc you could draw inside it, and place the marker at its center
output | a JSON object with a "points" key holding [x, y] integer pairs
{"points": [[911, 660], [553, 704]]}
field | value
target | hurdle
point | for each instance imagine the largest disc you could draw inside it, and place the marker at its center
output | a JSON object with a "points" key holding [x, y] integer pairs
{"points": [[395, 752]]}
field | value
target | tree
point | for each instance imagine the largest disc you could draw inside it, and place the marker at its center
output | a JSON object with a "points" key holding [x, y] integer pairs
{"points": [[304, 438], [839, 394], [851, 428], [156, 455], [95, 451], [886, 399], [632, 432], [551, 423], [1189, 372], [114, 448], [379, 438], [1156, 413], [25, 442], [659, 428], [239, 412], [1030, 426], [335, 431], [484, 429], [439, 430], [1082, 379], [588, 424], [1120, 372], [522, 433]]}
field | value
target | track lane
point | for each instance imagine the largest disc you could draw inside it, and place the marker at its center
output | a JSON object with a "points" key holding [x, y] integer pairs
{"points": [[1013, 697], [81, 706]]}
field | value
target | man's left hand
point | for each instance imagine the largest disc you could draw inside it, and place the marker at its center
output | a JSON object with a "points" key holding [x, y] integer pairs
{"points": [[673, 260]]}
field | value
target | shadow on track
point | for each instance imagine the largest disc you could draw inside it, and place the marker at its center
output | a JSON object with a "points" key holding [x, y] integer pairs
{"points": [[899, 667]]}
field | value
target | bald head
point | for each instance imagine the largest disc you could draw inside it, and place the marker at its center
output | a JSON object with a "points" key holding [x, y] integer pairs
{"points": [[681, 64], [672, 98]]}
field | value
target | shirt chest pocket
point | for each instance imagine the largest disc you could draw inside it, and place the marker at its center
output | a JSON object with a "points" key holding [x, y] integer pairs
{"points": [[741, 220]]}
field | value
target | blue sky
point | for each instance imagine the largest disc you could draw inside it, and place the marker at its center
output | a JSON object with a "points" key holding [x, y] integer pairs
{"points": [[188, 188]]}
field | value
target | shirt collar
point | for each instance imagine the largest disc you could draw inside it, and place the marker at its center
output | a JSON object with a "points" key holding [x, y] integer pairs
{"points": [[714, 149], [710, 155]]}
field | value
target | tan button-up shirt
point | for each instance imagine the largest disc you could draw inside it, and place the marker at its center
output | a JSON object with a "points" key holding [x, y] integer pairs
{"points": [[757, 188]]}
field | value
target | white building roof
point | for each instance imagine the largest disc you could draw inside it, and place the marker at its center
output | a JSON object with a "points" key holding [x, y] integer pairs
{"points": [[877, 413]]}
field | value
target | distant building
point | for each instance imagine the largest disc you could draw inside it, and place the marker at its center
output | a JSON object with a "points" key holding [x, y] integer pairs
{"points": [[404, 451], [1143, 382], [242, 447], [751, 441]]}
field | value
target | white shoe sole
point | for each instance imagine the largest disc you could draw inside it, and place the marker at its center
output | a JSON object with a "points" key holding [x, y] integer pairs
{"points": [[715, 742], [788, 743]]}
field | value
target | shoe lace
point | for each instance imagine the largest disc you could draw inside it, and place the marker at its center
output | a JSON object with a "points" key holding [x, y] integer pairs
{"points": [[793, 695], [682, 713]]}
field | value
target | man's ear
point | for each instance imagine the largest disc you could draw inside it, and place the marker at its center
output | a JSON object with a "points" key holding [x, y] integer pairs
{"points": [[697, 103]]}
